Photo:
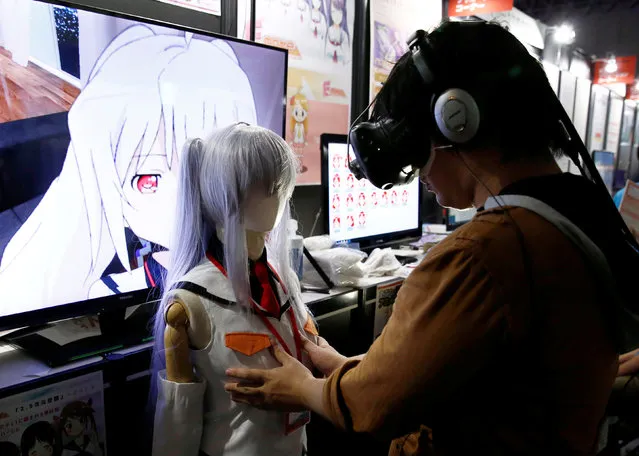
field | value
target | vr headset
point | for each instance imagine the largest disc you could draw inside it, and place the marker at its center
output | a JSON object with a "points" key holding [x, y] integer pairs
{"points": [[389, 152]]}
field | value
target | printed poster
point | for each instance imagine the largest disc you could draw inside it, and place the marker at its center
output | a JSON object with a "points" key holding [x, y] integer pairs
{"points": [[204, 6], [65, 418], [600, 97], [318, 35], [386, 295], [614, 124], [629, 207], [393, 22]]}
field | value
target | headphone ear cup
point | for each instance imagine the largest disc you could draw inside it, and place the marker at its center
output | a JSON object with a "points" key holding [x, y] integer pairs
{"points": [[457, 116]]}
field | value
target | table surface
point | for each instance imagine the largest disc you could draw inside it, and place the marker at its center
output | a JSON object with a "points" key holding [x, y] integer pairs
{"points": [[18, 367]]}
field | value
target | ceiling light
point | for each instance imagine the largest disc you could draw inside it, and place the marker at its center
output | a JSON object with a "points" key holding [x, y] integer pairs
{"points": [[564, 34]]}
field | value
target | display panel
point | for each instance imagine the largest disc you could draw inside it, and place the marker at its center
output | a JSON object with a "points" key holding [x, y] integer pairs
{"points": [[357, 209], [94, 112]]}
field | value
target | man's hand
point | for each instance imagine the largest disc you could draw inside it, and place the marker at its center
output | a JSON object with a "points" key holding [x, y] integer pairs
{"points": [[628, 363], [284, 388], [324, 357]]}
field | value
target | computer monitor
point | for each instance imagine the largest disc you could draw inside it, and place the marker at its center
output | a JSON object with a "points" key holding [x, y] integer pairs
{"points": [[605, 164], [356, 210], [94, 111]]}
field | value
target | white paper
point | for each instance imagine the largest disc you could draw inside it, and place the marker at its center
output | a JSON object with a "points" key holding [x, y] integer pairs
{"points": [[582, 106], [614, 124], [567, 89], [64, 415], [213, 7], [67, 331], [600, 97]]}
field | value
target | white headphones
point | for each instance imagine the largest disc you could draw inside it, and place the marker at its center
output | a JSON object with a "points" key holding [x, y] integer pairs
{"points": [[455, 111]]}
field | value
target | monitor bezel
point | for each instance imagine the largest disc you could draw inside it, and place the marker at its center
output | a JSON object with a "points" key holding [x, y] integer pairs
{"points": [[130, 298], [365, 241]]}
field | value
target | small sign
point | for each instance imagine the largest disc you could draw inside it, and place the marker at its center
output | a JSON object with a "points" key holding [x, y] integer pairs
{"points": [[475, 7], [625, 74], [386, 295]]}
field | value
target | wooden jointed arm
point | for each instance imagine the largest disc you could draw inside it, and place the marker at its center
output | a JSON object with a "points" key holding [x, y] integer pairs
{"points": [[176, 343]]}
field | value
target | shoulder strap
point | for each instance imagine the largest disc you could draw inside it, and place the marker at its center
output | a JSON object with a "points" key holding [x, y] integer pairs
{"points": [[589, 249], [627, 321], [202, 292]]}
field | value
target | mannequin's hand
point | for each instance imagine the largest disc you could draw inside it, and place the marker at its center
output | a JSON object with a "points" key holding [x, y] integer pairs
{"points": [[324, 357], [282, 388]]}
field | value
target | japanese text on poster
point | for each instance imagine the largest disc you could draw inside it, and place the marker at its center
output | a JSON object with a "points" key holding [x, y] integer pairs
{"points": [[64, 418]]}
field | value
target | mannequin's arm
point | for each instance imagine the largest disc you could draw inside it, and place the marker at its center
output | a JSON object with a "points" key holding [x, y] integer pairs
{"points": [[176, 343]]}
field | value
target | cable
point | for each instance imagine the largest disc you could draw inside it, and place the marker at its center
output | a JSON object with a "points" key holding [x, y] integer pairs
{"points": [[317, 216]]}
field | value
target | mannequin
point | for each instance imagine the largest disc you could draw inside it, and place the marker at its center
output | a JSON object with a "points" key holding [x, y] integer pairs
{"points": [[229, 294]]}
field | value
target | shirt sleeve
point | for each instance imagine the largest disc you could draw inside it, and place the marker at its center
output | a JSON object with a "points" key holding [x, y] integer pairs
{"points": [[179, 415], [446, 322]]}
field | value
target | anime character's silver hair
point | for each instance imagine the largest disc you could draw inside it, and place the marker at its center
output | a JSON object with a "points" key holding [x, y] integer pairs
{"points": [[216, 175]]}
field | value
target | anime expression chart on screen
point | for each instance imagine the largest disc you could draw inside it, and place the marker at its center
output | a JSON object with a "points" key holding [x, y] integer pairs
{"points": [[357, 209], [90, 210], [392, 23], [65, 419], [318, 36]]}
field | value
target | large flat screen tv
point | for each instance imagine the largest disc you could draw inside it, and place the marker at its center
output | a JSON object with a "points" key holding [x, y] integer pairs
{"points": [[94, 110]]}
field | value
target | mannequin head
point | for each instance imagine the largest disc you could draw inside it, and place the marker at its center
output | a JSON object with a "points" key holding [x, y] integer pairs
{"points": [[235, 184]]}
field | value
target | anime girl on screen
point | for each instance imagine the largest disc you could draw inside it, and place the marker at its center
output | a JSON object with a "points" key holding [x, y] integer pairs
{"points": [[146, 94]]}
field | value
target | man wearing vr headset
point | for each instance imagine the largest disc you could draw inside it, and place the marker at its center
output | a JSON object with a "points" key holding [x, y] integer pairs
{"points": [[501, 342]]}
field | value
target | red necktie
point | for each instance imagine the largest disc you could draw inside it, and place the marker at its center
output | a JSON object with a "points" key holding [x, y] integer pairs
{"points": [[269, 301]]}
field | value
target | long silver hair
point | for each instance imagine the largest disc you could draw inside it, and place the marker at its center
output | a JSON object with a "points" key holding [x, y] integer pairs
{"points": [[216, 175]]}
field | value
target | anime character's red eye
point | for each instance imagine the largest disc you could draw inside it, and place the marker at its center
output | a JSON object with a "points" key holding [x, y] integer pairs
{"points": [[146, 183]]}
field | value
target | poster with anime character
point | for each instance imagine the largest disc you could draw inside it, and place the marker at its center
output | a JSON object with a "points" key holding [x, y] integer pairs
{"points": [[318, 36], [392, 23], [92, 166], [63, 419]]}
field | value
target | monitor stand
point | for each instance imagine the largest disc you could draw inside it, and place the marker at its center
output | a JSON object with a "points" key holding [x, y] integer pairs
{"points": [[72, 340]]}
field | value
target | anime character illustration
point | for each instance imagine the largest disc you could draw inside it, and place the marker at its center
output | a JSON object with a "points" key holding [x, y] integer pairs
{"points": [[350, 221], [390, 47], [299, 120], [39, 439], [303, 9], [405, 197], [336, 202], [362, 219], [337, 223], [285, 4], [362, 183], [349, 200], [374, 201], [336, 181], [350, 181], [337, 44], [141, 102], [337, 159], [393, 198], [78, 430], [318, 19], [361, 200], [385, 199]]}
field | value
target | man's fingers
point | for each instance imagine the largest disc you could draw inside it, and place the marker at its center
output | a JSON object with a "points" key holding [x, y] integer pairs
{"points": [[253, 375], [243, 389], [281, 355]]}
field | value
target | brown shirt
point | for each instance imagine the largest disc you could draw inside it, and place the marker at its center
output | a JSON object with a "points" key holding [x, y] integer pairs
{"points": [[491, 349]]}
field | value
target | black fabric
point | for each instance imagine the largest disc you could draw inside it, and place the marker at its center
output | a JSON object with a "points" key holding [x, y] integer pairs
{"points": [[585, 205]]}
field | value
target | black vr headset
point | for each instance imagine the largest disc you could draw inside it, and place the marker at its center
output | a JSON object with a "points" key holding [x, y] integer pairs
{"points": [[390, 152]]}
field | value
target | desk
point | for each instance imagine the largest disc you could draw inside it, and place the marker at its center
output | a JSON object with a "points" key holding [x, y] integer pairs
{"points": [[126, 372]]}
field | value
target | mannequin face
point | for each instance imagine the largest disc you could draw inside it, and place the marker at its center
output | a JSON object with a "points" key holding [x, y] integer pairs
{"points": [[262, 212]]}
